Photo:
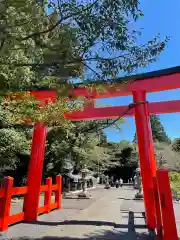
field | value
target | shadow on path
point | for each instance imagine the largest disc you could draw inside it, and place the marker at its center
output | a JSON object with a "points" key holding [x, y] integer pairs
{"points": [[116, 233], [88, 223], [107, 235]]}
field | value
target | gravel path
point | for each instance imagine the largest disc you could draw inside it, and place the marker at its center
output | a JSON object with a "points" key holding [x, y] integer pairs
{"points": [[104, 216], [109, 214]]}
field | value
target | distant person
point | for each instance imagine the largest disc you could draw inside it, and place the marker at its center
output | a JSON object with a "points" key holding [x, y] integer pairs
{"points": [[117, 183]]}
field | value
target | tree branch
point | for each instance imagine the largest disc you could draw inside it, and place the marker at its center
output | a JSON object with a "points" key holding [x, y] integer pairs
{"points": [[75, 61], [97, 74], [58, 22]]}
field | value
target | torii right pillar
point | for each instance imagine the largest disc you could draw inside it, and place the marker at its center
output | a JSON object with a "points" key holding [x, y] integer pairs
{"points": [[146, 153]]}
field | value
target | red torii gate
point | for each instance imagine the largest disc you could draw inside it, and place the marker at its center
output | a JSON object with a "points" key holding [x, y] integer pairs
{"points": [[167, 79]]}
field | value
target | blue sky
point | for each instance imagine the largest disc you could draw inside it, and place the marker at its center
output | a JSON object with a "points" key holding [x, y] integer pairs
{"points": [[160, 17]]}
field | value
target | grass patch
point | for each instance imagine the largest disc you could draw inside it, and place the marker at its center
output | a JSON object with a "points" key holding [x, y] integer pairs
{"points": [[175, 182]]}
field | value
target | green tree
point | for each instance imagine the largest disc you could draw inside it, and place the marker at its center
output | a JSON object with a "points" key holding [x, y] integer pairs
{"points": [[59, 44], [105, 24], [158, 132], [124, 153], [26, 62], [76, 147], [166, 157], [13, 144], [176, 145], [14, 153]]}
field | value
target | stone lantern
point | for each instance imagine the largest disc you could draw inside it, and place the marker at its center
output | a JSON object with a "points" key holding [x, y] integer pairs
{"points": [[139, 194], [107, 185], [84, 174], [160, 159]]}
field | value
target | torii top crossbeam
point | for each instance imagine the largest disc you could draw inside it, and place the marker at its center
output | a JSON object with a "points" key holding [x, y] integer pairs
{"points": [[156, 81]]}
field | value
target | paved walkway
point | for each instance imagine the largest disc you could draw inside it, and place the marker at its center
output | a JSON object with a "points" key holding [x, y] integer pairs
{"points": [[109, 214]]}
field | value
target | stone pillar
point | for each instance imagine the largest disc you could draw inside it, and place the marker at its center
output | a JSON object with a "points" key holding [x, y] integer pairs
{"points": [[84, 173], [139, 194]]}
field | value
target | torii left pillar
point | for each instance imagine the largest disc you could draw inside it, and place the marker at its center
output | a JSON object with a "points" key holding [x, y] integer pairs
{"points": [[31, 201]]}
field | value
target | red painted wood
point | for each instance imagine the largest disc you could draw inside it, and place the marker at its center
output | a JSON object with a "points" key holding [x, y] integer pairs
{"points": [[54, 206], [55, 187], [19, 190], [16, 218], [156, 84], [5, 203], [168, 218], [116, 111], [44, 95], [47, 198], [147, 161], [159, 226], [42, 209], [43, 188], [99, 113], [8, 191], [31, 201], [58, 192], [1, 192]]}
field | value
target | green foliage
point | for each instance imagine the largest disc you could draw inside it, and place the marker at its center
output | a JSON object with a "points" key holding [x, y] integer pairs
{"points": [[13, 144], [176, 145], [166, 157], [165, 153], [16, 20], [175, 182], [34, 45], [27, 61], [124, 153], [26, 111], [106, 24], [77, 148], [158, 132]]}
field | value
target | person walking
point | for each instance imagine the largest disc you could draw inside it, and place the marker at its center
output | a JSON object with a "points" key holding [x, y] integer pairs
{"points": [[120, 182]]}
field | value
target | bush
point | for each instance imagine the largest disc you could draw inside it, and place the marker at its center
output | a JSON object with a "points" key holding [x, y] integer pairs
{"points": [[175, 182]]}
